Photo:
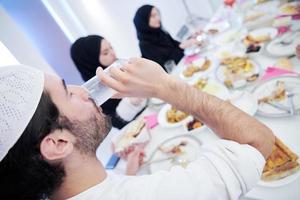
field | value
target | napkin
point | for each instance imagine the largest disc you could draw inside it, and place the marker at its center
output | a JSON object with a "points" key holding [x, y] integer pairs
{"points": [[272, 72], [294, 16], [151, 120], [190, 59]]}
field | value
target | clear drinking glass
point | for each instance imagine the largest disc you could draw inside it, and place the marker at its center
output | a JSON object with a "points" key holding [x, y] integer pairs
{"points": [[169, 65], [97, 90]]}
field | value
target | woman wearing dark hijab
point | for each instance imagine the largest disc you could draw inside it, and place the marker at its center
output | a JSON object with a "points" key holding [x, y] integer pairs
{"points": [[93, 51], [155, 43]]}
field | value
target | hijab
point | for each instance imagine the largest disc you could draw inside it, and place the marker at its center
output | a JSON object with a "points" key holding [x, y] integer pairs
{"points": [[85, 54], [155, 43]]}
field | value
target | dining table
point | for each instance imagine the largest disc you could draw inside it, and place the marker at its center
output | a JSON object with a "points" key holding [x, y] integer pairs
{"points": [[286, 128]]}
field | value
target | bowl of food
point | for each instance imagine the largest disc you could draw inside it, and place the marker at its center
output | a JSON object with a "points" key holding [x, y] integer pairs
{"points": [[169, 117], [194, 126]]}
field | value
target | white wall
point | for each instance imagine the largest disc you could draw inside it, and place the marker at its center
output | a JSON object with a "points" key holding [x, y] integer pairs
{"points": [[6, 57], [113, 19], [18, 45], [41, 38]]}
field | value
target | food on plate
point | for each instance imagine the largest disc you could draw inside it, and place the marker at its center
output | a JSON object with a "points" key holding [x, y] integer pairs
{"points": [[192, 68], [282, 21], [238, 71], [213, 31], [228, 83], [130, 134], [237, 65], [201, 83], [281, 163], [173, 115], [252, 48], [194, 124], [174, 149], [278, 94], [252, 77], [253, 16], [261, 1], [249, 39], [284, 63], [291, 9]]}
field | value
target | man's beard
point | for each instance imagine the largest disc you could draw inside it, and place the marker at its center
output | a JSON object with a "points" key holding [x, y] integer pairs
{"points": [[89, 133]]}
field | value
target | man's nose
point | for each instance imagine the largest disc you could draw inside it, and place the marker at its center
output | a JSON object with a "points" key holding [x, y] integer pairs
{"points": [[80, 91]]}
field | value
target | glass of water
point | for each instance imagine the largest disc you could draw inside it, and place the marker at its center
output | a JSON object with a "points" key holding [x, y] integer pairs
{"points": [[99, 92], [169, 66]]}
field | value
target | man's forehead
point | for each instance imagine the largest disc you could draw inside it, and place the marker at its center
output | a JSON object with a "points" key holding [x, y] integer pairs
{"points": [[53, 84]]}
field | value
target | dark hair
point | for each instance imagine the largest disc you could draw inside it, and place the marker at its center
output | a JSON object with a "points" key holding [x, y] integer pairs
{"points": [[85, 53], [24, 174]]}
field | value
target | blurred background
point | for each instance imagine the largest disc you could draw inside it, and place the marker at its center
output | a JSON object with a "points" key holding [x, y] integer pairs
{"points": [[40, 32]]}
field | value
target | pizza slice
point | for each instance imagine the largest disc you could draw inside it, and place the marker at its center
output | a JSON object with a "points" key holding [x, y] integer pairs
{"points": [[281, 163]]}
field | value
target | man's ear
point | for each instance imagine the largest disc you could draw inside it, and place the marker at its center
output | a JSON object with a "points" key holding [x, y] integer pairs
{"points": [[57, 145]]}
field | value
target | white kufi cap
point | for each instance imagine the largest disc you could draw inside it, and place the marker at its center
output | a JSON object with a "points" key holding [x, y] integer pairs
{"points": [[21, 88]]}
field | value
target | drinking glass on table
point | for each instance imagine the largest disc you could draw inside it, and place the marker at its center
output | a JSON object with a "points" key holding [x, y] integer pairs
{"points": [[169, 66]]}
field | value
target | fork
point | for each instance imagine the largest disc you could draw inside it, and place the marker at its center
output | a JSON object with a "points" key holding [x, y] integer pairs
{"points": [[291, 102], [289, 40]]}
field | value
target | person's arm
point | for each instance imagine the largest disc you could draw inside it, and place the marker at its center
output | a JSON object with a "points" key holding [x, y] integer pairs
{"points": [[188, 43], [144, 78]]}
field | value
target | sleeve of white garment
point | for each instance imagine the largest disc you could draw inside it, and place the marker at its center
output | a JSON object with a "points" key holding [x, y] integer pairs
{"points": [[127, 111], [225, 170]]}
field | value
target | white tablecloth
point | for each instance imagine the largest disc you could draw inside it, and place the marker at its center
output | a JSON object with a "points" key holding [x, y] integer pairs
{"points": [[287, 129]]}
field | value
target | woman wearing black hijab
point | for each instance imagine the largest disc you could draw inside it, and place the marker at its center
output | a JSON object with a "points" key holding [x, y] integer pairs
{"points": [[93, 51], [155, 43]]}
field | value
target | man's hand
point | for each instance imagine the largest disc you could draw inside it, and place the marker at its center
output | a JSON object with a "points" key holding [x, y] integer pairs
{"points": [[139, 78]]}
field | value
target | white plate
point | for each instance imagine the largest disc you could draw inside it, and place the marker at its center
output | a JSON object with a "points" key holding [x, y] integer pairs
{"points": [[191, 152], [156, 101], [265, 20], [200, 62], [244, 101], [295, 25], [220, 26], [119, 145], [214, 88], [162, 118], [221, 77], [230, 50], [274, 48], [270, 31], [280, 182], [229, 36], [269, 6], [266, 88]]}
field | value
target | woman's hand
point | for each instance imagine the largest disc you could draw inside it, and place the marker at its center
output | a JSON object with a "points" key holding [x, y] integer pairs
{"points": [[135, 159], [124, 154], [188, 43]]}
